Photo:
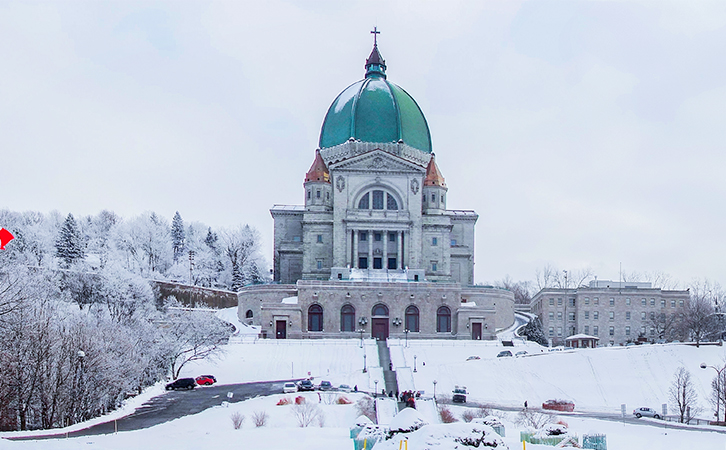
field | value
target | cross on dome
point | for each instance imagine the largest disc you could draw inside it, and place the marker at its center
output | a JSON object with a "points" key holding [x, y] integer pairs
{"points": [[375, 34]]}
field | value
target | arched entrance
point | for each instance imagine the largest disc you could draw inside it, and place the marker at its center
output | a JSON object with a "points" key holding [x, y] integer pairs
{"points": [[379, 322]]}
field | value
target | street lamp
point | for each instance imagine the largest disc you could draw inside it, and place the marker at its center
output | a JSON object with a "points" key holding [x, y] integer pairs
{"points": [[435, 390], [361, 337], [364, 363], [406, 333], [375, 393], [719, 388], [414, 363]]}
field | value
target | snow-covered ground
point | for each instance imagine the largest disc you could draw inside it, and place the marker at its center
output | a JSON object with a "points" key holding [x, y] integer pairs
{"points": [[595, 379]]}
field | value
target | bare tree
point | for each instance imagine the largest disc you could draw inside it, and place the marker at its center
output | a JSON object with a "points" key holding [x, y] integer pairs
{"points": [[683, 394], [698, 320], [718, 392], [191, 335], [664, 324], [522, 290], [551, 277]]}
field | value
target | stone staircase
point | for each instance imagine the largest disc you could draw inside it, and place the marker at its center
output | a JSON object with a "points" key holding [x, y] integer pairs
{"points": [[389, 376]]}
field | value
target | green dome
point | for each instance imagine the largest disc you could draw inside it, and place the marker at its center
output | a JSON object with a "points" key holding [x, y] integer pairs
{"points": [[375, 110]]}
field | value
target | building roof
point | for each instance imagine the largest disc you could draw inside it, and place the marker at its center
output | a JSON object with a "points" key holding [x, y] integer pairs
{"points": [[318, 171], [375, 110], [433, 174]]}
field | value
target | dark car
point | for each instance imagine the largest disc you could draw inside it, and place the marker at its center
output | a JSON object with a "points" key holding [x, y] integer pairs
{"points": [[325, 386], [181, 383], [205, 380], [504, 353], [306, 385], [459, 395]]}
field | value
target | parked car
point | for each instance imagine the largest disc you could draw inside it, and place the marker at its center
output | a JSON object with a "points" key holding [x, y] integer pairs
{"points": [[289, 388], [325, 386], [520, 353], [504, 353], [472, 358], [181, 383], [305, 385], [559, 405], [344, 388], [205, 380], [645, 412], [459, 394]]}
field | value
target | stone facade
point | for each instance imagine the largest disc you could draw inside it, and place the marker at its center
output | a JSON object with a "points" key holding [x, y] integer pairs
{"points": [[427, 310], [615, 312]]}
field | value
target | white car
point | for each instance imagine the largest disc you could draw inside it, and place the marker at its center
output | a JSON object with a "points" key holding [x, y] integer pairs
{"points": [[646, 412], [289, 388]]}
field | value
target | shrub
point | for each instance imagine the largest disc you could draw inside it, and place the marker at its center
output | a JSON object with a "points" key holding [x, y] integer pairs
{"points": [[366, 407], [299, 400], [468, 415], [342, 400], [483, 412], [284, 401], [533, 419], [446, 415], [306, 414], [259, 418], [237, 420]]}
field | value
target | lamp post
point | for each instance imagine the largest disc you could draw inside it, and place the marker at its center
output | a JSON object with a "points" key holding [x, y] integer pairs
{"points": [[81, 355], [364, 363], [435, 390], [361, 337], [719, 388], [414, 363], [375, 393], [406, 333]]}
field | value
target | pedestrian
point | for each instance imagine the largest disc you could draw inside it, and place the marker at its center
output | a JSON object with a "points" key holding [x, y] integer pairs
{"points": [[355, 388], [320, 400], [390, 365], [383, 392], [390, 394], [525, 404]]}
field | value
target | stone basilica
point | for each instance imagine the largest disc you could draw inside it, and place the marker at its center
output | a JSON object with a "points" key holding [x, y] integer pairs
{"points": [[374, 251]]}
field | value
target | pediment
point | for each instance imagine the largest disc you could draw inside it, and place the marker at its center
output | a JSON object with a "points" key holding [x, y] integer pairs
{"points": [[377, 161]]}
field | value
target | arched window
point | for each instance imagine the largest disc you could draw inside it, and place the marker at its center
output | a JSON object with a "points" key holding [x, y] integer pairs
{"points": [[363, 203], [248, 314], [347, 318], [315, 318], [412, 318], [443, 320], [379, 310], [378, 199]]}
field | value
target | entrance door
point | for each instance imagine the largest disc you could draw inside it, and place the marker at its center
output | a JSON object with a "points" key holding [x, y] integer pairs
{"points": [[476, 331], [281, 329], [380, 329]]}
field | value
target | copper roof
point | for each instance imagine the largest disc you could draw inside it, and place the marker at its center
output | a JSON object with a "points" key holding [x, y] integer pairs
{"points": [[318, 171], [433, 175]]}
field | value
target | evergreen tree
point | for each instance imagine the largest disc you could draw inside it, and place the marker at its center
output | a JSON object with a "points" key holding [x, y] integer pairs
{"points": [[211, 239], [69, 245], [237, 278], [177, 236], [533, 332]]}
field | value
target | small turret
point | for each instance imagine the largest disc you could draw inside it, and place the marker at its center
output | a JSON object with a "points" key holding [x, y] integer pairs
{"points": [[434, 189], [318, 190]]}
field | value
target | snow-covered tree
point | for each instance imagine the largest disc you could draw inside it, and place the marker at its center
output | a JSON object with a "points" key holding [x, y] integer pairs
{"points": [[69, 244], [177, 236], [191, 335]]}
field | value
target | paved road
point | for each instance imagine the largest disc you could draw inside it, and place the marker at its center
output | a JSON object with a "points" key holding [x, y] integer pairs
{"points": [[173, 405], [597, 415]]}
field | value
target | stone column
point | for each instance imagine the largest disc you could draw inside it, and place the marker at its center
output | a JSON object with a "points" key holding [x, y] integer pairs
{"points": [[400, 250], [370, 249], [384, 238], [355, 249]]}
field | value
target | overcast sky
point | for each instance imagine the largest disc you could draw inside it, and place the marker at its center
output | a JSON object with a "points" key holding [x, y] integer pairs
{"points": [[585, 134]]}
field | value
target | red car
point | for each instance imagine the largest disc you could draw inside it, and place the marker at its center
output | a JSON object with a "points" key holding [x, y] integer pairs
{"points": [[205, 380]]}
